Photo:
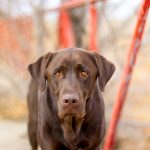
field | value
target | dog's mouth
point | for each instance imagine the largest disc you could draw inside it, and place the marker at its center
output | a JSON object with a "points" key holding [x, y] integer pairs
{"points": [[71, 114]]}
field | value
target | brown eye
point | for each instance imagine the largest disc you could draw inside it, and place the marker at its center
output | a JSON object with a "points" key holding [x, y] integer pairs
{"points": [[83, 74], [59, 74]]}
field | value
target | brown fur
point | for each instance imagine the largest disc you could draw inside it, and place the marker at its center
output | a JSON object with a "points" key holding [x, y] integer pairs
{"points": [[66, 108]]}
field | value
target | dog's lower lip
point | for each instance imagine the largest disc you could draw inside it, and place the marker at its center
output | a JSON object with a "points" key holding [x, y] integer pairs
{"points": [[67, 114], [70, 114]]}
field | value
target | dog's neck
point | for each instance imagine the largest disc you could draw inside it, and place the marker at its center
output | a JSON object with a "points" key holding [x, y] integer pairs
{"points": [[71, 127]]}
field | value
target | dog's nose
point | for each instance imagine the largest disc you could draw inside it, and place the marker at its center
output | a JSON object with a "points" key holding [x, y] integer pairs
{"points": [[70, 100]]}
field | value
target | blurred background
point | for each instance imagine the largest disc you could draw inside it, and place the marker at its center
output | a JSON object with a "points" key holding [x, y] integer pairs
{"points": [[30, 28]]}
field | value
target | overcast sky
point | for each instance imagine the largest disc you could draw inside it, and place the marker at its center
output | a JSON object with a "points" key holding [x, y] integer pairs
{"points": [[122, 8]]}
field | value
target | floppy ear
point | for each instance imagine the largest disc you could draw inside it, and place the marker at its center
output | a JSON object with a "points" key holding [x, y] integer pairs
{"points": [[105, 69], [37, 70]]}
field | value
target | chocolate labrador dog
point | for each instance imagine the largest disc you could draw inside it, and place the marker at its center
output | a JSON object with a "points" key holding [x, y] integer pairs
{"points": [[66, 108]]}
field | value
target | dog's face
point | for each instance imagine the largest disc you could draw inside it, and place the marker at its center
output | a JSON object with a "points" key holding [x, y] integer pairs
{"points": [[71, 75]]}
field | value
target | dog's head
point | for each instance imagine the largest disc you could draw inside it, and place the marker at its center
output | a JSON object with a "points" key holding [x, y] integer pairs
{"points": [[71, 75]]}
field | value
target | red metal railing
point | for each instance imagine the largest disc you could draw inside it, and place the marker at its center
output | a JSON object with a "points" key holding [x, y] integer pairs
{"points": [[127, 73], [66, 35]]}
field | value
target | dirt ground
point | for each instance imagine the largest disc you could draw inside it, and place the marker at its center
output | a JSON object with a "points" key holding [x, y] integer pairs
{"points": [[13, 135]]}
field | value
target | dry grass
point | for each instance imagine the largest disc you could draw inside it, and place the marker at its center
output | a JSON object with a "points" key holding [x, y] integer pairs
{"points": [[13, 108]]}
